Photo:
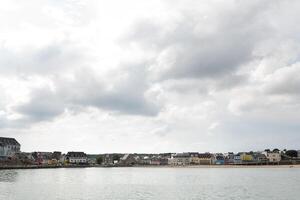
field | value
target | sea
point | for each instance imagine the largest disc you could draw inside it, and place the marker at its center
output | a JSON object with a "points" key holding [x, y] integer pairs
{"points": [[151, 183]]}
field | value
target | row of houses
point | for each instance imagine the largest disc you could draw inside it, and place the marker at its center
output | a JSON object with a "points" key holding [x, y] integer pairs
{"points": [[10, 149], [195, 158]]}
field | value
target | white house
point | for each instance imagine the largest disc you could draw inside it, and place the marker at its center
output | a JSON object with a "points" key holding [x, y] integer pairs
{"points": [[9, 146], [76, 157], [272, 156], [180, 159]]}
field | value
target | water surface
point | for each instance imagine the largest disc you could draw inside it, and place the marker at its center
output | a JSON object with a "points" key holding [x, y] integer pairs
{"points": [[151, 183]]}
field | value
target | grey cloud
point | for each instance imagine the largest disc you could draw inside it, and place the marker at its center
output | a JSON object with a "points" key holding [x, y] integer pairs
{"points": [[196, 54], [49, 59], [125, 96], [44, 105], [87, 90], [284, 81]]}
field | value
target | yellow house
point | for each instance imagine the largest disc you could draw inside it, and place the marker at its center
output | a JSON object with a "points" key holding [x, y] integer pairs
{"points": [[246, 157], [52, 162]]}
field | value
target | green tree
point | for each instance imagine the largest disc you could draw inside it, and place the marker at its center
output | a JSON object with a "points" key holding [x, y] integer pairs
{"points": [[291, 153], [99, 160], [116, 157], [276, 150]]}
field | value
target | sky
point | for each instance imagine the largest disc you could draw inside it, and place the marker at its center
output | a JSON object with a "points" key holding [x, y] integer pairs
{"points": [[150, 76]]}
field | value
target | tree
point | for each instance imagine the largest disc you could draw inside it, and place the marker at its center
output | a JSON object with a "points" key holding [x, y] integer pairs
{"points": [[292, 153], [276, 150], [99, 160], [116, 157]]}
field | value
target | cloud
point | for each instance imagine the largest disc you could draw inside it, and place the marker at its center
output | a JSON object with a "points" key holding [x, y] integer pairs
{"points": [[284, 81], [201, 44], [44, 105], [168, 73], [45, 60], [124, 93]]}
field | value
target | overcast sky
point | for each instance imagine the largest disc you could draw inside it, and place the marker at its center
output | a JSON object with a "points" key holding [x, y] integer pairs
{"points": [[150, 76]]}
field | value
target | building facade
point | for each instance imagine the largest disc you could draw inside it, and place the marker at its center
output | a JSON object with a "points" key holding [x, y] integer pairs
{"points": [[76, 157], [205, 159], [180, 159], [219, 159], [246, 157], [128, 160], [273, 157], [9, 147]]}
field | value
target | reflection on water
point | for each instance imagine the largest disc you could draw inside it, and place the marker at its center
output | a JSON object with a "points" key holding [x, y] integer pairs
{"points": [[150, 183], [8, 175]]}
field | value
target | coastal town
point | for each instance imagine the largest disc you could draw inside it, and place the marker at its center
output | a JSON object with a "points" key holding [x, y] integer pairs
{"points": [[11, 156]]}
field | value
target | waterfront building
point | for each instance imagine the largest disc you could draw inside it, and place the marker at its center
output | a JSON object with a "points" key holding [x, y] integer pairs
{"points": [[229, 158], [111, 159], [237, 159], [56, 155], [42, 158], [205, 159], [158, 161], [201, 158], [76, 157], [246, 157], [260, 158], [23, 158], [144, 160], [180, 159], [128, 160], [108, 159], [273, 156], [194, 158], [193, 154], [8, 147], [63, 159], [219, 159], [165, 155]]}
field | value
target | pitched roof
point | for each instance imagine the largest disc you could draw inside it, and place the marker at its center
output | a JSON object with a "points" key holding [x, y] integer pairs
{"points": [[76, 154], [185, 155], [125, 157], [204, 155], [8, 141]]}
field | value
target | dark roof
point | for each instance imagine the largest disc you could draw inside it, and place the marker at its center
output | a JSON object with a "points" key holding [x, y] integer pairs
{"points": [[184, 155], [76, 154], [204, 155], [193, 153], [8, 141], [259, 155]]}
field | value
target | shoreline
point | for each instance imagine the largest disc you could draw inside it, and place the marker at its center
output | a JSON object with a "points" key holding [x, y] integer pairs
{"points": [[160, 166]]}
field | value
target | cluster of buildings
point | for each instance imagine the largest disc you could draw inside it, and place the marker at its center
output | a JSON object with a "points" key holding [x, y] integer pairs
{"points": [[10, 152]]}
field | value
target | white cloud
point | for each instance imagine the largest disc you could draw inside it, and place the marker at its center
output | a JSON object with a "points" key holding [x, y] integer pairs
{"points": [[149, 75]]}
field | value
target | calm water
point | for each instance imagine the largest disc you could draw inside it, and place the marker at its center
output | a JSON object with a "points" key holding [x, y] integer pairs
{"points": [[150, 183]]}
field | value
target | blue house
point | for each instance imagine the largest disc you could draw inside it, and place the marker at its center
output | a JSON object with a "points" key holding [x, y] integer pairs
{"points": [[219, 159]]}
